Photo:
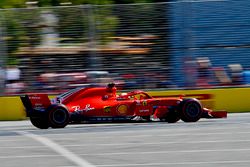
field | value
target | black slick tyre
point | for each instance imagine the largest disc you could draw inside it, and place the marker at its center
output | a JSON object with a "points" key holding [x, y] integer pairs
{"points": [[41, 123], [190, 110], [58, 116], [172, 117]]}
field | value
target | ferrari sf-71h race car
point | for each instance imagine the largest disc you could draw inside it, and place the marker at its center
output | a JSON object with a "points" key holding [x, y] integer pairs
{"points": [[102, 104]]}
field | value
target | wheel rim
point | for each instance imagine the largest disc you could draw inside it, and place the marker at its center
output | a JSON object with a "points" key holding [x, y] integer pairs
{"points": [[59, 116], [192, 110]]}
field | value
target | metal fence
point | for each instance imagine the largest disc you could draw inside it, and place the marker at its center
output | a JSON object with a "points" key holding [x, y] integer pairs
{"points": [[139, 46], [218, 31]]}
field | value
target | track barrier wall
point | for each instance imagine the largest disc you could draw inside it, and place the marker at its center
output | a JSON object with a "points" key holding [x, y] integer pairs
{"points": [[229, 99], [11, 108]]}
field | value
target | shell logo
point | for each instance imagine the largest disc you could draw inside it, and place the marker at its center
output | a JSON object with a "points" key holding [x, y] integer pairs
{"points": [[122, 109]]}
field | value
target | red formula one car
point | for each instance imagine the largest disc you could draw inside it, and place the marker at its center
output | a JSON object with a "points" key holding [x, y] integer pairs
{"points": [[103, 104]]}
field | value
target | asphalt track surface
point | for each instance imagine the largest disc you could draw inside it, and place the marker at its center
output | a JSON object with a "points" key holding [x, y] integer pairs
{"points": [[207, 143]]}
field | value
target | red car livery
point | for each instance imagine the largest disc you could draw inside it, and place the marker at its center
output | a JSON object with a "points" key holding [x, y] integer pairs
{"points": [[103, 104]]}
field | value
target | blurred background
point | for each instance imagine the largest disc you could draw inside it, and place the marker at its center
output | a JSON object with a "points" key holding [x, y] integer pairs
{"points": [[55, 45]]}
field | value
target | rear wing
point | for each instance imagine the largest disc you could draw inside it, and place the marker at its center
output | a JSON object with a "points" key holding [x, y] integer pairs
{"points": [[35, 102]]}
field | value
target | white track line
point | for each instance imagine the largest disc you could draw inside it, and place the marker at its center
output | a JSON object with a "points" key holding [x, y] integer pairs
{"points": [[128, 143], [177, 163], [57, 148], [157, 134], [246, 151]]}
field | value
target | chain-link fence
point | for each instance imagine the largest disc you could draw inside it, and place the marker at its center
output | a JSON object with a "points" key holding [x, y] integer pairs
{"points": [[139, 46], [216, 35]]}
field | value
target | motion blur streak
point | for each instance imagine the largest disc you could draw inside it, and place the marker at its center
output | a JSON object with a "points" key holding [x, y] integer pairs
{"points": [[59, 149]]}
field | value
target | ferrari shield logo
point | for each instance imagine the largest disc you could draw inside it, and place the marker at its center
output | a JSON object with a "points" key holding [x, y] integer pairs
{"points": [[144, 103]]}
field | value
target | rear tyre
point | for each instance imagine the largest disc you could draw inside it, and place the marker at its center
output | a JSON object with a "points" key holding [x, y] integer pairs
{"points": [[58, 117], [190, 110], [40, 123], [172, 117]]}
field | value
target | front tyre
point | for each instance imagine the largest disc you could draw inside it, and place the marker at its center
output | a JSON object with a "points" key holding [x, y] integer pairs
{"points": [[190, 110], [41, 123], [58, 117]]}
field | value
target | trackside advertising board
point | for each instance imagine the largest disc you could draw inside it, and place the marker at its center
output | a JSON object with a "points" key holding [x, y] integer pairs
{"points": [[229, 99], [11, 108]]}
